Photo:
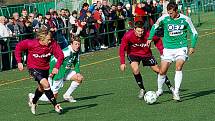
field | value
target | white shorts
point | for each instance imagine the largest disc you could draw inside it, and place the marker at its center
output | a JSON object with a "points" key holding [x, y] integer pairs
{"points": [[171, 55], [57, 84]]}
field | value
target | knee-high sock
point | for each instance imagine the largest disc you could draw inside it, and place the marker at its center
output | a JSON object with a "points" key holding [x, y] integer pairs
{"points": [[72, 87], [37, 95], [161, 80], [50, 96], [139, 80], [178, 80]]}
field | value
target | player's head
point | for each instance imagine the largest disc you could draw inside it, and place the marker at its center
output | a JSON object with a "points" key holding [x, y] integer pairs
{"points": [[44, 35], [172, 9], [75, 43], [138, 28]]}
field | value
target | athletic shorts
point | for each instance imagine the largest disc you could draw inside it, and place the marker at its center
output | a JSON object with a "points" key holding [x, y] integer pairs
{"points": [[57, 84], [171, 55], [147, 61], [39, 74]]}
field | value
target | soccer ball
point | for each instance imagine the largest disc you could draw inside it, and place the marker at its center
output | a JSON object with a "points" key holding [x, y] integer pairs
{"points": [[150, 97]]}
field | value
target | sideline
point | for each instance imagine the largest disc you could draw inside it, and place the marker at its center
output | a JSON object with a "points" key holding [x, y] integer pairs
{"points": [[23, 79]]}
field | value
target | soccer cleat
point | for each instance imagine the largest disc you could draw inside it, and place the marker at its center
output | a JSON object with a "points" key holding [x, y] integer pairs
{"points": [[176, 96], [33, 108], [159, 93], [141, 93], [69, 98], [30, 103], [58, 109], [30, 99]]}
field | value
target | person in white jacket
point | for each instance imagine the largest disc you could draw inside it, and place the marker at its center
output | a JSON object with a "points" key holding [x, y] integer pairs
{"points": [[4, 31]]}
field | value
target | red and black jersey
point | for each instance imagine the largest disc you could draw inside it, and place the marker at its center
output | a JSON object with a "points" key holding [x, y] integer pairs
{"points": [[39, 55], [136, 45]]}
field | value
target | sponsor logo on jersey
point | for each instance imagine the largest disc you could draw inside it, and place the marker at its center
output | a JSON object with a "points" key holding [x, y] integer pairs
{"points": [[175, 30], [42, 56], [139, 45]]}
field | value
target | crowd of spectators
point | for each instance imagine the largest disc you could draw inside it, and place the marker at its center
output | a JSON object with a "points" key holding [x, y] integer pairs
{"points": [[101, 24]]}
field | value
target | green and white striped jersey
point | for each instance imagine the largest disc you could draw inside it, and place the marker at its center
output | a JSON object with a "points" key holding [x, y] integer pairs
{"points": [[175, 31], [71, 61]]}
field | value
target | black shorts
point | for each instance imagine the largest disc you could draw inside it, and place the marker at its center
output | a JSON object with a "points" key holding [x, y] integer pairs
{"points": [[39, 74], [147, 61]]}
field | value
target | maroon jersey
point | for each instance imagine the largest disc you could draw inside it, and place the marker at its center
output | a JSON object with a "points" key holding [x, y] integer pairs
{"points": [[136, 45], [39, 55]]}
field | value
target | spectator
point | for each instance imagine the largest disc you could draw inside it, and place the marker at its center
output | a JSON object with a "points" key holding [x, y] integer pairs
{"points": [[4, 32], [37, 22], [59, 35], [120, 22], [83, 11], [73, 21]]}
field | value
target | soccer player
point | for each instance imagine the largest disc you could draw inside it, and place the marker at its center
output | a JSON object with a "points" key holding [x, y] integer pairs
{"points": [[175, 44], [134, 42], [40, 50], [69, 70]]}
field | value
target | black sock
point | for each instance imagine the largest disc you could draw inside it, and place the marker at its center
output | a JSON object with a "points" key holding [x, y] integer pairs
{"points": [[51, 97], [139, 80], [167, 82], [37, 95]]}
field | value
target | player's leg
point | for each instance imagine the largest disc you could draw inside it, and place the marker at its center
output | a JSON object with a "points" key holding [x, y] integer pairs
{"points": [[156, 69], [38, 75], [55, 86], [76, 79], [178, 78], [162, 76], [48, 92], [138, 78], [33, 98], [180, 57]]}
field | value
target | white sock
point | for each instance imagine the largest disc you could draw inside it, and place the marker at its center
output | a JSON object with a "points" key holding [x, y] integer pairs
{"points": [[178, 80], [161, 80], [72, 87]]}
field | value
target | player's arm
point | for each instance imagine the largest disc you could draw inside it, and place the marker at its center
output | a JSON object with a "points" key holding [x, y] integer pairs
{"points": [[58, 54], [194, 36], [77, 65], [153, 29], [20, 47], [122, 49]]}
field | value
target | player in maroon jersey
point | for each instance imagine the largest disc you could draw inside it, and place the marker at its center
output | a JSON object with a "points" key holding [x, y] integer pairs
{"points": [[40, 50], [134, 43]]}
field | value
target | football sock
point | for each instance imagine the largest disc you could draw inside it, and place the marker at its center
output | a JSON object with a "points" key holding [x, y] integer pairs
{"points": [[139, 80], [161, 80], [167, 82], [72, 87], [50, 96], [178, 80], [37, 95]]}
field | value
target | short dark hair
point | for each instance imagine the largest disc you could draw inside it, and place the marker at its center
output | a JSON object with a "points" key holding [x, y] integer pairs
{"points": [[75, 38], [74, 12], [172, 5], [85, 5], [138, 24]]}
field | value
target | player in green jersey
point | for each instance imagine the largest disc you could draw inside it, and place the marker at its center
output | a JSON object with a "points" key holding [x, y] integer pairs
{"points": [[69, 70], [175, 44]]}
